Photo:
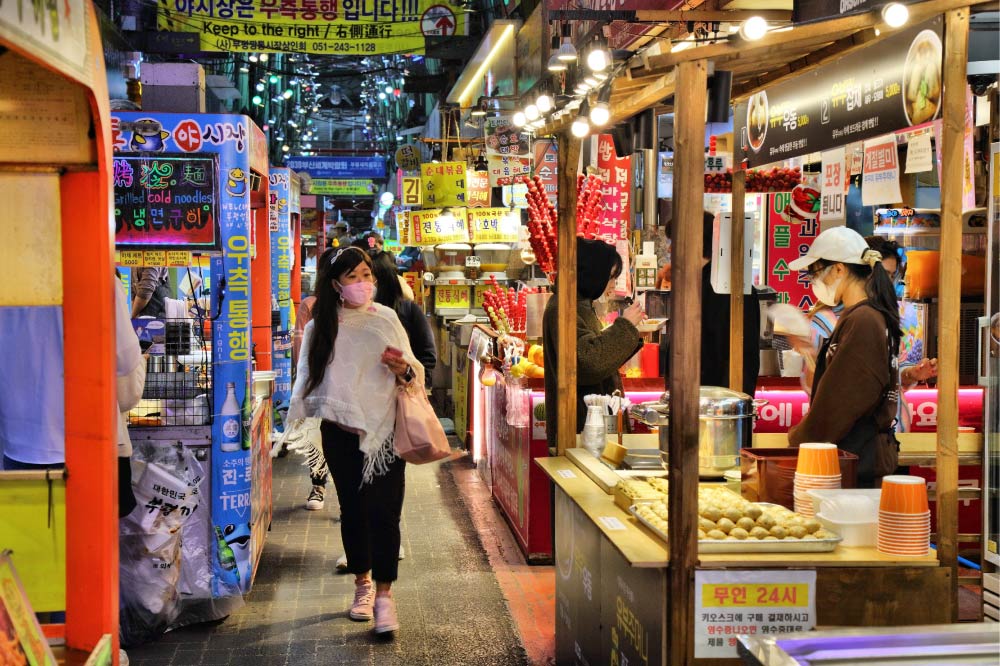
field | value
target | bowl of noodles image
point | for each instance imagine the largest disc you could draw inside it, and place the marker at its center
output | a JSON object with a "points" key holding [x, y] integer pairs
{"points": [[922, 78], [757, 120]]}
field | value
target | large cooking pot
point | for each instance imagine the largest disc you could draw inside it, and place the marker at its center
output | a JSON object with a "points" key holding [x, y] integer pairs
{"points": [[725, 425]]}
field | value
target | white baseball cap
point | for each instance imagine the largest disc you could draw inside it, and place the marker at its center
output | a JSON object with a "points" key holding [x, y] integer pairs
{"points": [[838, 245]]}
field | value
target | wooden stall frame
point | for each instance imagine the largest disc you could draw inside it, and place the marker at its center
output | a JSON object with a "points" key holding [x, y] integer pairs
{"points": [[89, 375], [683, 74]]}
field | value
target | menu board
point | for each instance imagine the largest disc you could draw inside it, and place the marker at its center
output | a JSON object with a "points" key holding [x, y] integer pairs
{"points": [[494, 225], [889, 86], [508, 151], [166, 201], [431, 227], [443, 184]]}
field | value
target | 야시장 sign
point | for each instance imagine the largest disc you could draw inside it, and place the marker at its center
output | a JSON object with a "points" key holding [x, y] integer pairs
{"points": [[889, 86], [331, 27], [788, 238], [756, 603], [166, 201]]}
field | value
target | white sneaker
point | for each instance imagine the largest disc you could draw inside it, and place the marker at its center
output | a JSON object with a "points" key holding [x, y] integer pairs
{"points": [[315, 500], [342, 563], [402, 553]]}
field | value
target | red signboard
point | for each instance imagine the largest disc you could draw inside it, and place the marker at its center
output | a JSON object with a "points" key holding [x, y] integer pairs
{"points": [[788, 238], [615, 219], [547, 168]]}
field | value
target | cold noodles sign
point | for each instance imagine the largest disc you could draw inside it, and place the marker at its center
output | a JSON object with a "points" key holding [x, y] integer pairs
{"points": [[166, 201], [880, 89]]}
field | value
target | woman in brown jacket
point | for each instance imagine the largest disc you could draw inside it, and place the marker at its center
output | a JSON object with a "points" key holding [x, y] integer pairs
{"points": [[855, 388], [600, 351]]}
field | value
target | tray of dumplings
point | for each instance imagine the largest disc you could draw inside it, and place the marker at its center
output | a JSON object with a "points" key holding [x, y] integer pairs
{"points": [[727, 523]]}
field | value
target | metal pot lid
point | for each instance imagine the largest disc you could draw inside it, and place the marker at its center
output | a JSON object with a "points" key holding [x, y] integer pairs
{"points": [[715, 401]]}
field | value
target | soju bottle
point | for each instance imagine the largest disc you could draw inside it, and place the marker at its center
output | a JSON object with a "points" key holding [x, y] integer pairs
{"points": [[227, 558]]}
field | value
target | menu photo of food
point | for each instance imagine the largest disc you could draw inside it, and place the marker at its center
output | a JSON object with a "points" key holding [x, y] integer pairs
{"points": [[922, 78], [757, 120]]}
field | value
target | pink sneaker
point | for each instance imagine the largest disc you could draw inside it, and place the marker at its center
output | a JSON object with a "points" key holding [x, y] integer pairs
{"points": [[364, 599], [386, 618]]}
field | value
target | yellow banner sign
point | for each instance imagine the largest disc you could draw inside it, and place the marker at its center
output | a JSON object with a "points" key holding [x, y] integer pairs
{"points": [[494, 225], [403, 228], [178, 258], [130, 258], [444, 184], [478, 298], [154, 258], [342, 186], [451, 296], [344, 27], [411, 191], [770, 595], [431, 227]]}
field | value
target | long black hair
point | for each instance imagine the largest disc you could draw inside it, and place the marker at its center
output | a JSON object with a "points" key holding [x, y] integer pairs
{"points": [[332, 266], [388, 292], [596, 263]]}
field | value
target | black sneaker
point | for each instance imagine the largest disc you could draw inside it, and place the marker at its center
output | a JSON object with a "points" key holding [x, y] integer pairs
{"points": [[315, 500]]}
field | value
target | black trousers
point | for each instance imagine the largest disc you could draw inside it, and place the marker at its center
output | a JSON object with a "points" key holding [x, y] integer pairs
{"points": [[369, 513]]}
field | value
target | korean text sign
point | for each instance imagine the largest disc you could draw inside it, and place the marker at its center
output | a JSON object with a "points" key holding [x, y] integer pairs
{"points": [[347, 27], [339, 167], [430, 227], [166, 200], [761, 602], [281, 280], [788, 238], [494, 225], [616, 218], [889, 86], [443, 184]]}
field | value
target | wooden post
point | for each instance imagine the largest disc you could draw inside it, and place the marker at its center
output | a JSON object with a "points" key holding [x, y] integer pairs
{"points": [[685, 361], [569, 155], [956, 41], [736, 281]]}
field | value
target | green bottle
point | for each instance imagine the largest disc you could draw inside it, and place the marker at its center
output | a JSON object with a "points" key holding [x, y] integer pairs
{"points": [[227, 558]]}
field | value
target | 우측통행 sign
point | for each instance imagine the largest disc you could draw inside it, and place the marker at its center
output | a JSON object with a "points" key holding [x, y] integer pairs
{"points": [[166, 201]]}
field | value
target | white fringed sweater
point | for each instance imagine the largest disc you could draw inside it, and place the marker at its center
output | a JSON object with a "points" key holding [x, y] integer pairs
{"points": [[358, 391]]}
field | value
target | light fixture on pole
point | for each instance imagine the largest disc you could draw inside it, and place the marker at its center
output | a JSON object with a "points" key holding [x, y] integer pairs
{"points": [[566, 52], [753, 28], [895, 15], [581, 126], [600, 112]]}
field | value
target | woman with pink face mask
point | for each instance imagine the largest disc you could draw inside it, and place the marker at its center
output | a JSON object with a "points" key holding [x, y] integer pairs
{"points": [[354, 354]]}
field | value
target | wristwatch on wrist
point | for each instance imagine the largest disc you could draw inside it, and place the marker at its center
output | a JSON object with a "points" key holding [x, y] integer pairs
{"points": [[409, 375]]}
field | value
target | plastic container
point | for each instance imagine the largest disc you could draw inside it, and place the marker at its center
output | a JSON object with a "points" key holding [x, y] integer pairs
{"points": [[819, 496], [854, 534], [769, 474]]}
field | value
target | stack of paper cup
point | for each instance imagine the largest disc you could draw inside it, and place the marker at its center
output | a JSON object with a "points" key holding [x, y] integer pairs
{"points": [[904, 519], [818, 467]]}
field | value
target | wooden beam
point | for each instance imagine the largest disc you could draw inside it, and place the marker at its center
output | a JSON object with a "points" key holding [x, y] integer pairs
{"points": [[736, 281], [569, 156], [807, 35], [809, 62], [685, 356], [675, 15], [956, 43]]}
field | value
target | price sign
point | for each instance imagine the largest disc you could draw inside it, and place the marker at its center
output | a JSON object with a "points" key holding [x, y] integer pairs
{"points": [[154, 258], [472, 261], [130, 258], [451, 297], [444, 184], [761, 602], [178, 258], [411, 190], [431, 227], [833, 210], [494, 225]]}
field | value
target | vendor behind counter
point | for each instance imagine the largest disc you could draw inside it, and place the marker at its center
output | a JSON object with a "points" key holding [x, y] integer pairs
{"points": [[600, 352]]}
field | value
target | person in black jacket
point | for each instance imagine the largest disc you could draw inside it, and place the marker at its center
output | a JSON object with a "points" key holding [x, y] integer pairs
{"points": [[389, 293]]}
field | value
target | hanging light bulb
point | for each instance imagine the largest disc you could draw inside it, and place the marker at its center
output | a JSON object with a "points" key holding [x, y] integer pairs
{"points": [[388, 90], [257, 100], [381, 95], [252, 57], [263, 57], [895, 15], [581, 126], [566, 52], [260, 87], [600, 112], [598, 57], [531, 112], [556, 65], [753, 28], [285, 148], [544, 102], [287, 94], [520, 119]]}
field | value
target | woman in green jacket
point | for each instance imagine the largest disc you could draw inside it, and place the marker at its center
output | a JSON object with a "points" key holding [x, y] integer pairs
{"points": [[600, 352]]}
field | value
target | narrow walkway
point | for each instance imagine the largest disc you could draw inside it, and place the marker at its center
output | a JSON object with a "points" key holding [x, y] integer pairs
{"points": [[450, 604]]}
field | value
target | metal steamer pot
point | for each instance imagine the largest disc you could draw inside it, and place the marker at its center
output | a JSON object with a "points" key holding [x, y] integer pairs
{"points": [[725, 424]]}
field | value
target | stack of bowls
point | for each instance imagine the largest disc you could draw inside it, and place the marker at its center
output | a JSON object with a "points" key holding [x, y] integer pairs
{"points": [[904, 518], [818, 467]]}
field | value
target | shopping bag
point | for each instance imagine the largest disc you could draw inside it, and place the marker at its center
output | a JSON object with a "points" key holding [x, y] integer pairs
{"points": [[419, 437]]}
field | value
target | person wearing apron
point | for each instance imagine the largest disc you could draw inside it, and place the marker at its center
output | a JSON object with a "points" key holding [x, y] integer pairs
{"points": [[151, 293], [855, 388]]}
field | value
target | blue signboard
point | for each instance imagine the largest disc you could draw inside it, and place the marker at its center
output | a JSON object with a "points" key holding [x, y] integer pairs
{"points": [[229, 136], [339, 166], [281, 283]]}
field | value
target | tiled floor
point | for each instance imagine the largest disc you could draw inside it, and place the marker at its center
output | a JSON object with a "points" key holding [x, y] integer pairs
{"points": [[451, 607]]}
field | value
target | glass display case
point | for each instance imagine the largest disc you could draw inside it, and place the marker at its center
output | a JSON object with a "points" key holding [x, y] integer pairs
{"points": [[989, 362]]}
